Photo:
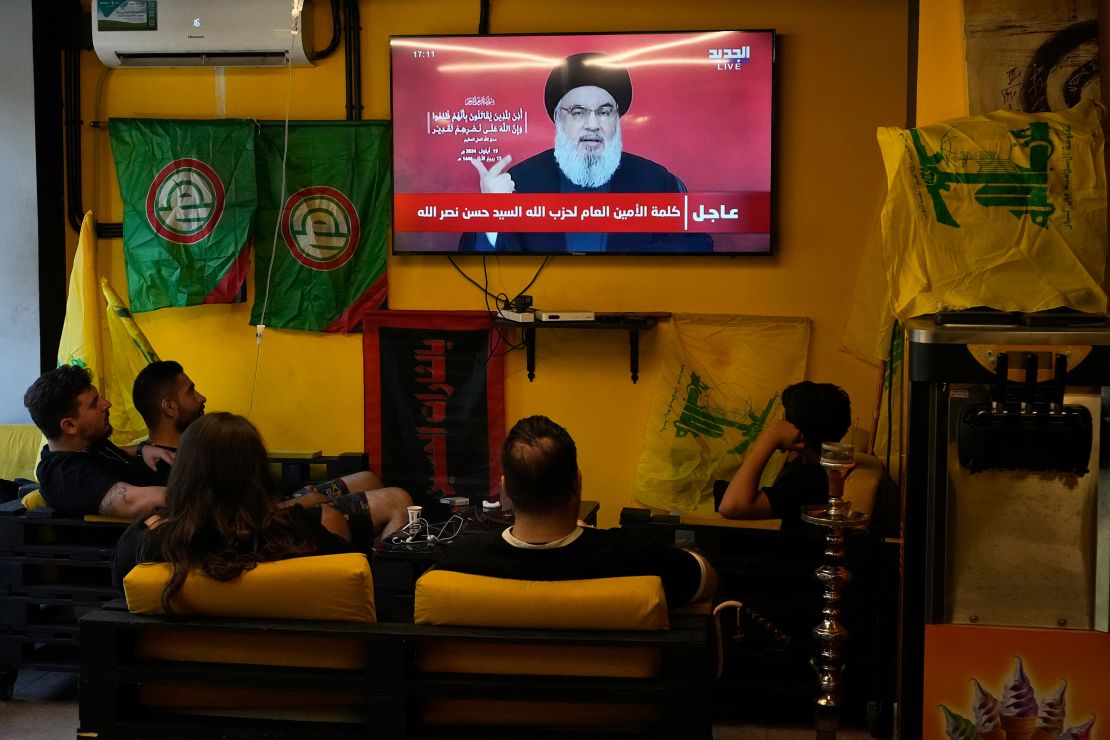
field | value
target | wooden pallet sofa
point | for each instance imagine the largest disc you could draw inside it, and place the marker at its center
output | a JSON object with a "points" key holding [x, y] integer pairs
{"points": [[52, 569], [55, 567], [600, 659]]}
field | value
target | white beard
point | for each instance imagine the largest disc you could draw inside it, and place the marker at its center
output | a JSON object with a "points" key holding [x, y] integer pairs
{"points": [[586, 170]]}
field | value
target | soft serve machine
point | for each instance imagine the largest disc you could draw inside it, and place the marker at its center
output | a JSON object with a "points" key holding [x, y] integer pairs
{"points": [[1006, 527]]}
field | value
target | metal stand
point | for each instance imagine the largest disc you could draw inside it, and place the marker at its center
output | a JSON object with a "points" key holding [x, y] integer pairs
{"points": [[835, 517]]}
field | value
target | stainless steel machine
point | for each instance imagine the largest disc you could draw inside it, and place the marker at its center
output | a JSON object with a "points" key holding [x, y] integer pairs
{"points": [[1006, 542]]}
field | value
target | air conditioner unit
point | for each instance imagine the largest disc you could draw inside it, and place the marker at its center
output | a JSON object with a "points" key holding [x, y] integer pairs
{"points": [[200, 33]]}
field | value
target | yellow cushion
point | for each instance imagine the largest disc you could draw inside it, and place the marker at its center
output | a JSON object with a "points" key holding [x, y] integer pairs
{"points": [[626, 603], [34, 500], [323, 587], [20, 447]]}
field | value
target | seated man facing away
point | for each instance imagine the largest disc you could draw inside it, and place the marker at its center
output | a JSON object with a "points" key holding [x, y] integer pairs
{"points": [[81, 471], [815, 413], [169, 403], [546, 542]]}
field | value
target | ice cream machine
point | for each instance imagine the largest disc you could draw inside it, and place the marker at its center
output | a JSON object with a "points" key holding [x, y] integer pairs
{"points": [[1005, 527]]}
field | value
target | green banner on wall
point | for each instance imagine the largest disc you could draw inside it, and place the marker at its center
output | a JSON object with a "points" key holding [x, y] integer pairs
{"points": [[320, 243], [188, 190]]}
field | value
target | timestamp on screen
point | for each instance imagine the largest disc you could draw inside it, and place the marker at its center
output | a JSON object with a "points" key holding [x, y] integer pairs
{"points": [[423, 54]]}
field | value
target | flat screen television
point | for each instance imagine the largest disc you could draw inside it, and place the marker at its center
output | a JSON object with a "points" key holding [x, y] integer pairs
{"points": [[634, 143]]}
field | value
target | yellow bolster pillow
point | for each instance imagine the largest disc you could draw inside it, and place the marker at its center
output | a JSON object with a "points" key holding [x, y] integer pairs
{"points": [[34, 500], [625, 603], [321, 587]]}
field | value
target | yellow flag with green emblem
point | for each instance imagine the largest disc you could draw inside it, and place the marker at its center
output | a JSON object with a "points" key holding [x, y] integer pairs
{"points": [[718, 387], [81, 332], [107, 342]]}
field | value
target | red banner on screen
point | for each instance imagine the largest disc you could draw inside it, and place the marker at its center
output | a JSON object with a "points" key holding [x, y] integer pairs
{"points": [[729, 213]]}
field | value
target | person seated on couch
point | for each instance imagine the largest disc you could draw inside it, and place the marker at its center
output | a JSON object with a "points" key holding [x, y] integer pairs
{"points": [[815, 413], [80, 470], [547, 542], [224, 512], [169, 403]]}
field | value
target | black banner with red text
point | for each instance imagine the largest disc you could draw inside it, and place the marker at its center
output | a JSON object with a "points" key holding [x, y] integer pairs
{"points": [[434, 399]]}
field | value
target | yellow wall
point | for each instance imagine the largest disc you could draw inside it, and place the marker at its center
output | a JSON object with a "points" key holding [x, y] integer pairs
{"points": [[842, 72]]}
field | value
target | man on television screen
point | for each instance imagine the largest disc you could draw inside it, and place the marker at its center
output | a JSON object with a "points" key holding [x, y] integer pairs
{"points": [[585, 97]]}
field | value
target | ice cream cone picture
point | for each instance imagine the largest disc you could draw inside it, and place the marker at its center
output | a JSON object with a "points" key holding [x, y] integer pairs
{"points": [[958, 727], [1079, 732], [1050, 721], [1018, 714], [985, 710]]}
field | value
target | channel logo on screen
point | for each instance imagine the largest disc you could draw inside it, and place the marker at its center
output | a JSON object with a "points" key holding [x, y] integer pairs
{"points": [[730, 59]]}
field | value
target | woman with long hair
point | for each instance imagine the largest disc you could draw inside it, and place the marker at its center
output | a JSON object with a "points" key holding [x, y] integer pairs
{"points": [[224, 511]]}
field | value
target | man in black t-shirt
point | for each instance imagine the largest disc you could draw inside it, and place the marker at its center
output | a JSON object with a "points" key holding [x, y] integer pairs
{"points": [[168, 401], [546, 541], [815, 413], [81, 471]]}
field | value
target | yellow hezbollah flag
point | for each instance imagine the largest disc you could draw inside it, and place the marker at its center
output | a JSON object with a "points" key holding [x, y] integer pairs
{"points": [[1006, 210], [718, 387], [114, 363], [81, 332]]}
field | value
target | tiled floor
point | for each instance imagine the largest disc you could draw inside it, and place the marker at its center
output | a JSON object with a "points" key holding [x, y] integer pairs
{"points": [[45, 708]]}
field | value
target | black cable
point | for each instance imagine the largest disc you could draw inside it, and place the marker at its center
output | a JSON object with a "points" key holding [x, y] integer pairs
{"points": [[485, 281], [468, 278], [71, 100], [336, 32], [355, 19], [483, 17], [503, 300], [534, 277], [352, 54]]}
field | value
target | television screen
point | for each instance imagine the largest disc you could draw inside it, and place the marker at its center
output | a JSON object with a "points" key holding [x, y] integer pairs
{"points": [[636, 143]]}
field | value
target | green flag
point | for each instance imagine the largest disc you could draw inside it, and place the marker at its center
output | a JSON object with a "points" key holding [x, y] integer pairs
{"points": [[188, 190], [331, 226]]}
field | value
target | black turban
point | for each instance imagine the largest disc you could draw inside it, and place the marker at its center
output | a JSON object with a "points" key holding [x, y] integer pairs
{"points": [[574, 72]]}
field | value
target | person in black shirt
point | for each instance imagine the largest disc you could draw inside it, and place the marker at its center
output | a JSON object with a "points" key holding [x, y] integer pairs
{"points": [[168, 401], [224, 512], [81, 471], [547, 543], [815, 413]]}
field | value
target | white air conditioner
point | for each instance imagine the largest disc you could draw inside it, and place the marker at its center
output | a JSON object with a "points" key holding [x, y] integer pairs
{"points": [[200, 33]]}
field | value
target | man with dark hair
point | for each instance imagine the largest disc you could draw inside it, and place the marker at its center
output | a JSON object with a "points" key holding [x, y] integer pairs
{"points": [[81, 471], [585, 96], [815, 413], [547, 543], [168, 401]]}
